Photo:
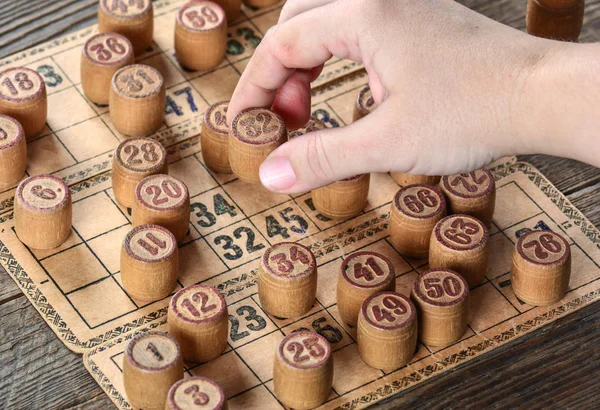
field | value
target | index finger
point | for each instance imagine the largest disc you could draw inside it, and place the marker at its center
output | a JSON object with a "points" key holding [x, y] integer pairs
{"points": [[306, 41]]}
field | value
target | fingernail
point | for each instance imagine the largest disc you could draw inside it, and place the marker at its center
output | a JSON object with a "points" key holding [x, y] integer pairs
{"points": [[277, 174]]}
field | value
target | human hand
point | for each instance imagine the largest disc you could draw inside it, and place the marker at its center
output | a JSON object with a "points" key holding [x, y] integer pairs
{"points": [[452, 89]]}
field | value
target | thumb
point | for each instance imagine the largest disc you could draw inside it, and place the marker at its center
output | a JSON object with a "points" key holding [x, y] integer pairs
{"points": [[325, 156]]}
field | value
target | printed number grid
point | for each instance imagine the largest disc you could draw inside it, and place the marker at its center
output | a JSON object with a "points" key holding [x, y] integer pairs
{"points": [[73, 120], [254, 334], [78, 143], [228, 229]]}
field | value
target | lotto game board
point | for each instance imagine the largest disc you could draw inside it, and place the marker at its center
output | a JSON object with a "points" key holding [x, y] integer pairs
{"points": [[77, 288]]}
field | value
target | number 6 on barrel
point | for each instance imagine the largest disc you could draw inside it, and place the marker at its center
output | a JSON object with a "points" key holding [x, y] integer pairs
{"points": [[43, 212]]}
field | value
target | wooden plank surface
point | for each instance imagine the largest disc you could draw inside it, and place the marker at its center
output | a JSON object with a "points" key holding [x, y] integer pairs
{"points": [[556, 366]]}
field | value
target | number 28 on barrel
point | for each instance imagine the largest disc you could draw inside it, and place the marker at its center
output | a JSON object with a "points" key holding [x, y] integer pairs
{"points": [[135, 159]]}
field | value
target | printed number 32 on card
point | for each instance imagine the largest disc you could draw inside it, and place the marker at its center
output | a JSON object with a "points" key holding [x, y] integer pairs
{"points": [[235, 252]]}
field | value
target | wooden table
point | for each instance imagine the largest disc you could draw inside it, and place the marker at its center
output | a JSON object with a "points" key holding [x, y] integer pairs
{"points": [[556, 366]]}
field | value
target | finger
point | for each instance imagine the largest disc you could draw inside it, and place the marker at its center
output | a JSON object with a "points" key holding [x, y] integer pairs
{"points": [[322, 157], [293, 99], [294, 7], [316, 72], [289, 46]]}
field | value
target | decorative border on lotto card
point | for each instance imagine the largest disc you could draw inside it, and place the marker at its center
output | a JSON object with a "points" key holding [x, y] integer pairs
{"points": [[328, 245], [51, 316], [440, 366], [389, 389], [244, 281], [99, 375]]}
